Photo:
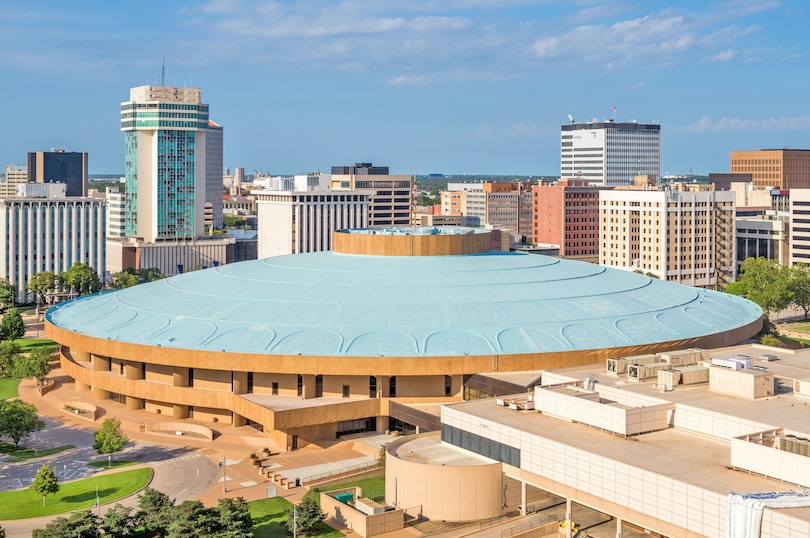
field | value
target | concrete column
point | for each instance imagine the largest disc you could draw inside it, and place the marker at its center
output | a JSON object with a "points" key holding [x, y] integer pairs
{"points": [[179, 411], [619, 527], [100, 364], [309, 386], [457, 384], [240, 383], [132, 371], [100, 394], [569, 514], [81, 356], [522, 498], [134, 403], [81, 385], [180, 378], [383, 385], [239, 420]]}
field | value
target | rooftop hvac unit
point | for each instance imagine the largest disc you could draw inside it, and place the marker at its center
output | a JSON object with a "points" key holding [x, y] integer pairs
{"points": [[641, 372]]}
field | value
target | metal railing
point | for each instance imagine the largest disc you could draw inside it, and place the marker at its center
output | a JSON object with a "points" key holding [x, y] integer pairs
{"points": [[518, 529], [337, 473]]}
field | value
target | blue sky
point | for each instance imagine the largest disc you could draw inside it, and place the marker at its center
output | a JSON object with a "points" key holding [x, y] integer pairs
{"points": [[453, 86]]}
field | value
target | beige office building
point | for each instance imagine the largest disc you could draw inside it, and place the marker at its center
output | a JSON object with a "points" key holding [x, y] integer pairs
{"points": [[393, 197], [780, 168], [679, 236]]}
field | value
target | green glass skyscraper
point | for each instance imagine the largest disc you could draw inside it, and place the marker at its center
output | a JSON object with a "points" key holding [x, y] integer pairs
{"points": [[165, 162]]}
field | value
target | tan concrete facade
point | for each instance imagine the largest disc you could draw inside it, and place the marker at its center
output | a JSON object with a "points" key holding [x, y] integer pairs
{"points": [[411, 245], [158, 380]]}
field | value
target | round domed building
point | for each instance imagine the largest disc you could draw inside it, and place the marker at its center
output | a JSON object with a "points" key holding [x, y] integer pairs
{"points": [[310, 346]]}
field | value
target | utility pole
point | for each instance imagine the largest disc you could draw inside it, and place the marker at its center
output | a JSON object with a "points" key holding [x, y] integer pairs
{"points": [[224, 466]]}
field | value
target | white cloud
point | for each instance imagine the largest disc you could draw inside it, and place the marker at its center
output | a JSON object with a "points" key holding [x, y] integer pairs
{"points": [[521, 130], [724, 56], [782, 123]]}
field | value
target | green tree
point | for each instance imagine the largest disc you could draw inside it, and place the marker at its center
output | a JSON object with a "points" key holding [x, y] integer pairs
{"points": [[766, 283], [81, 279], [770, 340], [118, 522], [234, 518], [154, 511], [310, 516], [109, 439], [12, 327], [8, 294], [124, 279], [45, 482], [799, 287], [37, 365], [81, 524], [9, 352], [191, 518], [41, 284], [18, 420]]}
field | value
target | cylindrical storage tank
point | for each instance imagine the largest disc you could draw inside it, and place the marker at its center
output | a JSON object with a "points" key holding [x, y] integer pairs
{"points": [[449, 483]]}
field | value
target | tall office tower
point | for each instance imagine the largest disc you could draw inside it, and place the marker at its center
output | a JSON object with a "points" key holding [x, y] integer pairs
{"points": [[293, 222], [509, 206], [678, 235], [567, 214], [609, 153], [213, 172], [59, 166], [392, 203], [48, 231], [779, 168], [165, 162]]}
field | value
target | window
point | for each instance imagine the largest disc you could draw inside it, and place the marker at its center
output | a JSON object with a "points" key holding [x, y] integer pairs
{"points": [[275, 388], [318, 386], [191, 377], [346, 391], [372, 386], [392, 387], [250, 383], [300, 385], [448, 385]]}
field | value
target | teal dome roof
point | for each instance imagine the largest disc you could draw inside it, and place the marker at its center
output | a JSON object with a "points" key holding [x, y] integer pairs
{"points": [[336, 304]]}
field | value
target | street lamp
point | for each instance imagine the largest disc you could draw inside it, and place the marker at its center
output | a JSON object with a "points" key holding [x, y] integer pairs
{"points": [[224, 465]]}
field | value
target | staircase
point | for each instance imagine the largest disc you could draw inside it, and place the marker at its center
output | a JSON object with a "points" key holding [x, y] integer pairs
{"points": [[365, 449]]}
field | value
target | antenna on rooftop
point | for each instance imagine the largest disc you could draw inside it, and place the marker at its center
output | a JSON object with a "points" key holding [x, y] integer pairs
{"points": [[571, 119], [162, 71]]}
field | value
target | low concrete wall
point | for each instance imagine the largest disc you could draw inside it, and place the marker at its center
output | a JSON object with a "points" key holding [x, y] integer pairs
{"points": [[90, 411], [171, 428], [362, 524]]}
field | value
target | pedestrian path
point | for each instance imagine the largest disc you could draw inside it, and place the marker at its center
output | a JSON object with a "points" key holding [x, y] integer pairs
{"points": [[173, 461], [323, 469]]}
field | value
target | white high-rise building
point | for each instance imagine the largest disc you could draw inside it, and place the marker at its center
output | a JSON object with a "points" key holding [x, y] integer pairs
{"points": [[165, 162], [50, 233], [609, 153], [292, 222]]}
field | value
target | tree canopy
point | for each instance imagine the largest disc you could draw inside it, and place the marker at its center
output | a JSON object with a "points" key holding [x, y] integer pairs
{"points": [[12, 327], [9, 353], [764, 282], [45, 482], [37, 365], [309, 516], [110, 439], [8, 294], [130, 277], [18, 420], [81, 279], [41, 284]]}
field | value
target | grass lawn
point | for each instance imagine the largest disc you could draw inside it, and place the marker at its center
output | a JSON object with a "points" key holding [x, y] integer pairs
{"points": [[268, 520], [803, 328], [25, 454], [802, 340], [30, 344], [71, 496], [368, 485], [102, 464], [8, 388]]}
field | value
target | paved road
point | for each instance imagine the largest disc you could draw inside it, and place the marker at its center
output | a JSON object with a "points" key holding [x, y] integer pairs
{"points": [[179, 472]]}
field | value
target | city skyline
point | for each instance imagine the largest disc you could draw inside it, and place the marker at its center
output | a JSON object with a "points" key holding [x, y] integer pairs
{"points": [[446, 86]]}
